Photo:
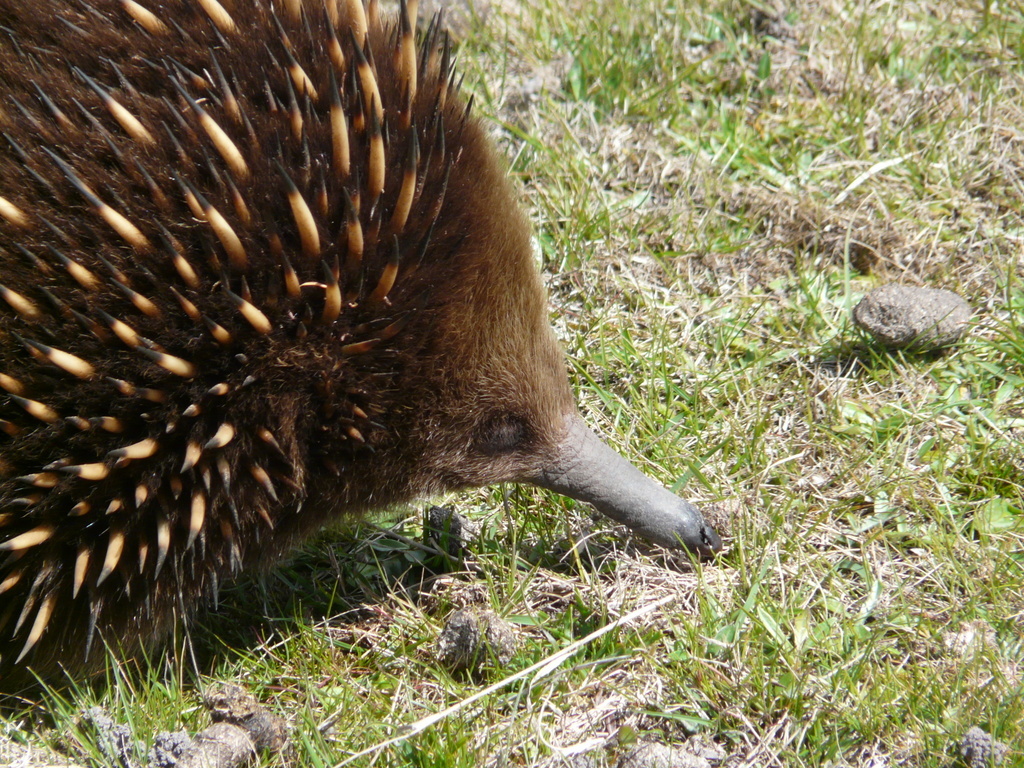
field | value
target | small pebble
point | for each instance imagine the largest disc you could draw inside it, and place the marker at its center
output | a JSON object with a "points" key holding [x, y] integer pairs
{"points": [[445, 529], [233, 704], [907, 317], [657, 755], [114, 739], [979, 750], [473, 639], [168, 747]]}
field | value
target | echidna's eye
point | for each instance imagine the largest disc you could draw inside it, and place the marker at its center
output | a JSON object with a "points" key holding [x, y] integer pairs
{"points": [[502, 434]]}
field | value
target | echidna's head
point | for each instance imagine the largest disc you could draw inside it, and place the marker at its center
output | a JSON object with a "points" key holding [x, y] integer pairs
{"points": [[492, 391], [485, 397], [473, 391]]}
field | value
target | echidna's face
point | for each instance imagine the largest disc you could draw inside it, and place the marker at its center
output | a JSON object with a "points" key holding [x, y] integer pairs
{"points": [[504, 400], [478, 392]]}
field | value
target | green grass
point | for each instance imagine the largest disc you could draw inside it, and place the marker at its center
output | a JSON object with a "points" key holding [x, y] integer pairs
{"points": [[714, 186]]}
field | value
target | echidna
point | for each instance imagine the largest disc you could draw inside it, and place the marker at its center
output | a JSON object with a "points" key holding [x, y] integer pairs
{"points": [[259, 267]]}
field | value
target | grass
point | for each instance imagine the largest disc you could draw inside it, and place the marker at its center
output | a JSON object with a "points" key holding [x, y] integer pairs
{"points": [[714, 185]]}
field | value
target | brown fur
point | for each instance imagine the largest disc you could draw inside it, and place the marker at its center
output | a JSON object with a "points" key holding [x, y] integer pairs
{"points": [[470, 391]]}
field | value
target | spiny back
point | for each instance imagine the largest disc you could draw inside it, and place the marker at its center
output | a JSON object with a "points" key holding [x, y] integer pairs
{"points": [[228, 237]]}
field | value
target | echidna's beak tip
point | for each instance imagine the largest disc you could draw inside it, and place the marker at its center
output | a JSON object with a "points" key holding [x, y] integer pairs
{"points": [[585, 468]]}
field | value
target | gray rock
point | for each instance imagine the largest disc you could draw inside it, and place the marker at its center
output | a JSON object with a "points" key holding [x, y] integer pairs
{"points": [[229, 703], [657, 755], [446, 530], [474, 638], [907, 317], [115, 740], [979, 750], [168, 746]]}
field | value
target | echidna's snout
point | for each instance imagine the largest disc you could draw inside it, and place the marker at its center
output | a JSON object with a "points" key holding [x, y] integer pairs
{"points": [[585, 468]]}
